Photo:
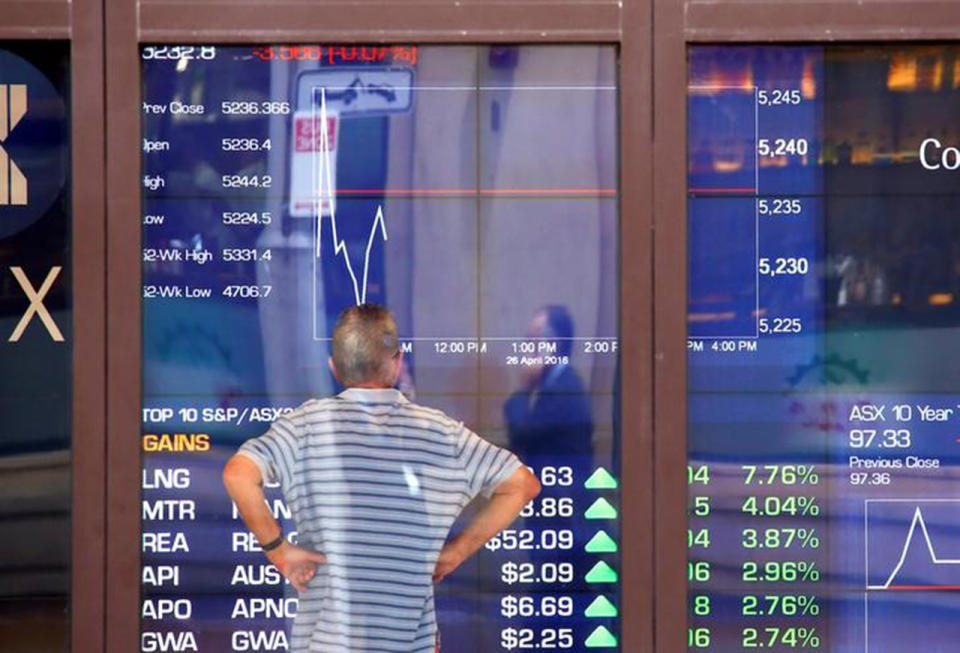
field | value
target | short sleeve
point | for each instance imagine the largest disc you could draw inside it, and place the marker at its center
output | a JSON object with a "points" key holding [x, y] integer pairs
{"points": [[485, 465], [274, 452]]}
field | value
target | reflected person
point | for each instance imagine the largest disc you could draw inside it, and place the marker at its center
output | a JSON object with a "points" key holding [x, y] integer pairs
{"points": [[550, 413], [374, 483]]}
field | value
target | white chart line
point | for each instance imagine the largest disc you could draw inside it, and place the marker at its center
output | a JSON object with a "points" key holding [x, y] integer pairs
{"points": [[917, 520], [721, 87], [752, 336], [318, 208], [324, 182], [866, 577], [756, 205], [487, 88], [498, 339]]}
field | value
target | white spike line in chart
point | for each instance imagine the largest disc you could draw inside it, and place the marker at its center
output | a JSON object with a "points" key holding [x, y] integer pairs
{"points": [[889, 585], [323, 178], [325, 195], [915, 522]]}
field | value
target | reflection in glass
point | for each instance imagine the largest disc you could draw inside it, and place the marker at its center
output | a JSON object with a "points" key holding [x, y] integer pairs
{"points": [[550, 412], [822, 315], [466, 188]]}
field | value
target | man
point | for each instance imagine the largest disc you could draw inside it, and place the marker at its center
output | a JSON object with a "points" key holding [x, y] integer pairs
{"points": [[374, 483], [550, 413]]}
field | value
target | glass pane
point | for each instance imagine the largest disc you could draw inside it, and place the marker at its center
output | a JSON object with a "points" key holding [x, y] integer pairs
{"points": [[35, 332], [823, 304], [473, 191]]}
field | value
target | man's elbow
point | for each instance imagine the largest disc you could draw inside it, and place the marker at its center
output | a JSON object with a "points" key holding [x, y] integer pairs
{"points": [[237, 471], [230, 473], [531, 486]]}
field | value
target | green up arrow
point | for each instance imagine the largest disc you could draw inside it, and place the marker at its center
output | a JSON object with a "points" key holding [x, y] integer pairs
{"points": [[601, 479], [601, 608], [601, 638], [601, 573], [601, 543], [601, 509]]}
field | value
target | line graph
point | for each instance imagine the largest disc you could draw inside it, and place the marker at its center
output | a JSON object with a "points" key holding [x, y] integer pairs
{"points": [[912, 571], [325, 192], [916, 521], [438, 264]]}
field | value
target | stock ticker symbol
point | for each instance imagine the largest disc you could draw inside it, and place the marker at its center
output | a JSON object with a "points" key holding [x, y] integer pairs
{"points": [[13, 106]]}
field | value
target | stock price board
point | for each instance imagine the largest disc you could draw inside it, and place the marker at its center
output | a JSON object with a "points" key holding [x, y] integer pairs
{"points": [[824, 298], [472, 190]]}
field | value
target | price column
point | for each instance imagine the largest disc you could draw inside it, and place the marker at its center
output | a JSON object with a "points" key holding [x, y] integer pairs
{"points": [[560, 568]]}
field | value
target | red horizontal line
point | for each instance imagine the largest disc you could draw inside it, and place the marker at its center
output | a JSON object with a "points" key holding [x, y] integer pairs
{"points": [[475, 191], [723, 190], [924, 587]]}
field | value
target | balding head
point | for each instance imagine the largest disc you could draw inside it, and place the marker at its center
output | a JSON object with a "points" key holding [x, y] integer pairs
{"points": [[366, 350]]}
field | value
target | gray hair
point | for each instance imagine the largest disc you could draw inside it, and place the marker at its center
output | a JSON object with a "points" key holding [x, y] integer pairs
{"points": [[364, 342]]}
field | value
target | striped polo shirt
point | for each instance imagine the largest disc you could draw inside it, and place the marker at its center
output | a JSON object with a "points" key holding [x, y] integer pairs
{"points": [[374, 482]]}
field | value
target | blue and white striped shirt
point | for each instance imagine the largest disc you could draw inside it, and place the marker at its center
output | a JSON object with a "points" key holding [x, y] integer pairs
{"points": [[374, 482]]}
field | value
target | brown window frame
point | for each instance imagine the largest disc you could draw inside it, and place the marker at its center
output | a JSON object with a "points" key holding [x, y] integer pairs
{"points": [[679, 24], [81, 24], [652, 36], [406, 21]]}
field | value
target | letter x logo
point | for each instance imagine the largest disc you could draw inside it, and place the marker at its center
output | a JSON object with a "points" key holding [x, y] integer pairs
{"points": [[13, 106], [36, 304]]}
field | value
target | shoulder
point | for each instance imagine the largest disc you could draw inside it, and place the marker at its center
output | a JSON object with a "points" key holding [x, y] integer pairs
{"points": [[307, 410], [568, 380], [433, 419]]}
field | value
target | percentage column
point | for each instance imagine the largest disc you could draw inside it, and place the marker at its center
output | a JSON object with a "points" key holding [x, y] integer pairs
{"points": [[781, 540]]}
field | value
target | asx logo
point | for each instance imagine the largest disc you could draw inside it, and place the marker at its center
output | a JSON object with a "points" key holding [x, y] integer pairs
{"points": [[13, 106], [36, 306]]}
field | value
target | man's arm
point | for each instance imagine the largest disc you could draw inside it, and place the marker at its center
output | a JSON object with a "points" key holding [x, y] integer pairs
{"points": [[508, 499], [244, 483]]}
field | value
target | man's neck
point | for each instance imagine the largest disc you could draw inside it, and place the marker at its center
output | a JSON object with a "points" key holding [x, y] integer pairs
{"points": [[370, 386]]}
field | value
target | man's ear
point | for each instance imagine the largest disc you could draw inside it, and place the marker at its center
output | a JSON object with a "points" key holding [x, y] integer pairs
{"points": [[333, 369], [397, 366]]}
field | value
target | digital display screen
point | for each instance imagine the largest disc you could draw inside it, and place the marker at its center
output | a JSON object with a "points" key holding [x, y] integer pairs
{"points": [[823, 315], [473, 191]]}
